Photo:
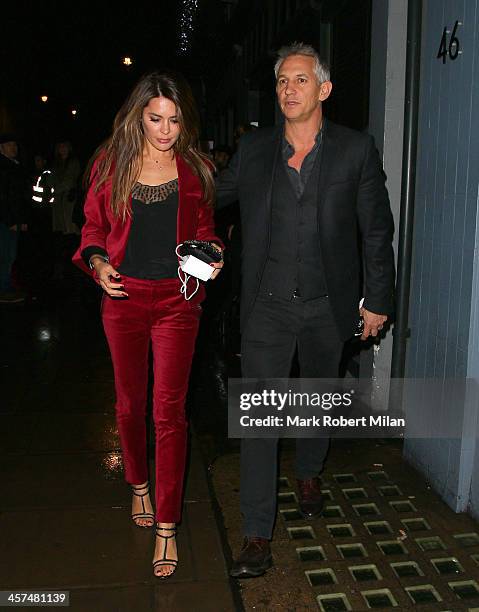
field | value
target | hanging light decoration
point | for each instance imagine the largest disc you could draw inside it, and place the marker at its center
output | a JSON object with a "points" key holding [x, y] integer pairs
{"points": [[188, 12]]}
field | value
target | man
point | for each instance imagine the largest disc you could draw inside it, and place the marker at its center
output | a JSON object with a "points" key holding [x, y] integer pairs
{"points": [[14, 207], [221, 157], [305, 189], [38, 269]]}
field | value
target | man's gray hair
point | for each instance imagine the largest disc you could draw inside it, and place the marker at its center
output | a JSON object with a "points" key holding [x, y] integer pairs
{"points": [[321, 68]]}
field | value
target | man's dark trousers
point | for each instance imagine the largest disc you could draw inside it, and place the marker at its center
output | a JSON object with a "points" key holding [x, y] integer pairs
{"points": [[275, 328]]}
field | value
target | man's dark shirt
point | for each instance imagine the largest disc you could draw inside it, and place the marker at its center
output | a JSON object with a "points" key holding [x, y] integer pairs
{"points": [[294, 266], [299, 179]]}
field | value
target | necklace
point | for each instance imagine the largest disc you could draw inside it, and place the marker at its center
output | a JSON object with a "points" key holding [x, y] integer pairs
{"points": [[157, 162]]}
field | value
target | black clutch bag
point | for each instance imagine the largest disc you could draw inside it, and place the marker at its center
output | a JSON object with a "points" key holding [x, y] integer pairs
{"points": [[201, 249]]}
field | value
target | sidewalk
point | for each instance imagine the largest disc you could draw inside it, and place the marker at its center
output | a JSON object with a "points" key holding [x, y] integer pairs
{"points": [[65, 509], [386, 541]]}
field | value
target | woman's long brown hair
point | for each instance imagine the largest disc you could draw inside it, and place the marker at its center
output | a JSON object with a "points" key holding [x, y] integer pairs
{"points": [[120, 158]]}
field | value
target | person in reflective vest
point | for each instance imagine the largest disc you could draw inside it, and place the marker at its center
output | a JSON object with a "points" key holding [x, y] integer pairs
{"points": [[43, 190]]}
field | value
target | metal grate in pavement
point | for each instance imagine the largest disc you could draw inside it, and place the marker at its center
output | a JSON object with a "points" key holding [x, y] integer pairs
{"points": [[381, 546]]}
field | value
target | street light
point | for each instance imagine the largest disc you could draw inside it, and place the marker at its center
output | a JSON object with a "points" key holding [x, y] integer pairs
{"points": [[127, 61], [74, 111], [44, 98]]}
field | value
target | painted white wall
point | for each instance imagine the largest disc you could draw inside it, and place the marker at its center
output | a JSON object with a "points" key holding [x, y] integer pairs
{"points": [[386, 119]]}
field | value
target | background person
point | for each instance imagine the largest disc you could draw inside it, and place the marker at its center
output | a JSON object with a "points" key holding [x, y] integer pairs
{"points": [[66, 172], [65, 179], [14, 214], [39, 248]]}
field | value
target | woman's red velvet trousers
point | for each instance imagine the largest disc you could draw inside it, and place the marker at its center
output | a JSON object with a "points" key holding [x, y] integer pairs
{"points": [[155, 314]]}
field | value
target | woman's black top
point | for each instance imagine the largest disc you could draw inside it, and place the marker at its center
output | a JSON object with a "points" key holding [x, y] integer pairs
{"points": [[150, 250]]}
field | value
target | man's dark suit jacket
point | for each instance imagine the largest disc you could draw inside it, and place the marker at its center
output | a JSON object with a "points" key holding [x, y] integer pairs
{"points": [[351, 196]]}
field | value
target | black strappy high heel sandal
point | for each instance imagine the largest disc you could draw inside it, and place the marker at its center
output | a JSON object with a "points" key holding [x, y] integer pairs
{"points": [[164, 560], [144, 514]]}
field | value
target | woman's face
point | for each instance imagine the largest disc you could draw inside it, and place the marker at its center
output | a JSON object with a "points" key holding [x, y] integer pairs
{"points": [[160, 123]]}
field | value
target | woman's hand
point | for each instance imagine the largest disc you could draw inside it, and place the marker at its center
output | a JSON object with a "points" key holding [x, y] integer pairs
{"points": [[106, 272], [218, 265]]}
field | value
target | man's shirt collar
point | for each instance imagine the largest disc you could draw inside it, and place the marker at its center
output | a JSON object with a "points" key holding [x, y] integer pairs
{"points": [[287, 148]]}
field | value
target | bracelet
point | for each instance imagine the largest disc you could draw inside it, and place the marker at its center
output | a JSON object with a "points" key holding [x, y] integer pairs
{"points": [[105, 258]]}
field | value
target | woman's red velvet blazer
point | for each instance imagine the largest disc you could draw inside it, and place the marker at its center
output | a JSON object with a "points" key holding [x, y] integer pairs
{"points": [[194, 222]]}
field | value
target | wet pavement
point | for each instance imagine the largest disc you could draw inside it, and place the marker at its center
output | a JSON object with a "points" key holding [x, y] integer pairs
{"points": [[65, 508], [386, 541]]}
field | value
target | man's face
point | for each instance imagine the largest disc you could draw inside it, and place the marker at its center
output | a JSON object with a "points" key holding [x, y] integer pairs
{"points": [[221, 159], [299, 93], [39, 162], [9, 149]]}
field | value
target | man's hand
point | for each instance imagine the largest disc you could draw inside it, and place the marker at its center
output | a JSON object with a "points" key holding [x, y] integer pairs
{"points": [[373, 323], [106, 272], [218, 265]]}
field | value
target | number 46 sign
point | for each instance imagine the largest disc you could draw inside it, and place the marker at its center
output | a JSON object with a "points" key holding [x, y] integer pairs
{"points": [[453, 48]]}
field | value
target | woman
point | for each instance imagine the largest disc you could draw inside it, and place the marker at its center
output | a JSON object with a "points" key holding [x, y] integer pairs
{"points": [[150, 190]]}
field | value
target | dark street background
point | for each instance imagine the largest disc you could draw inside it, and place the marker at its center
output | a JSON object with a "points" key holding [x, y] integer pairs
{"points": [[386, 540]]}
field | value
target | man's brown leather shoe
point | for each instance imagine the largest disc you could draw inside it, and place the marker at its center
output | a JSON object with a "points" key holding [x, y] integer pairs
{"points": [[311, 500], [254, 559]]}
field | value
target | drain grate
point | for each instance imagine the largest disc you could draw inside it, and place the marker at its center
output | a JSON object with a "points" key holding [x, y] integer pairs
{"points": [[344, 478], [408, 575], [291, 515], [287, 497], [321, 577], [378, 527], [467, 539], [354, 493], [333, 512], [350, 551], [380, 598], [344, 530], [406, 569], [378, 476], [336, 602], [432, 543], [447, 565], [301, 533], [416, 524], [390, 491], [311, 553], [392, 547], [362, 573], [423, 593], [366, 509], [466, 589], [403, 506]]}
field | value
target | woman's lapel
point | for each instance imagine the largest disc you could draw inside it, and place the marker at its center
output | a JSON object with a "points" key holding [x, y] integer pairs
{"points": [[189, 195]]}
